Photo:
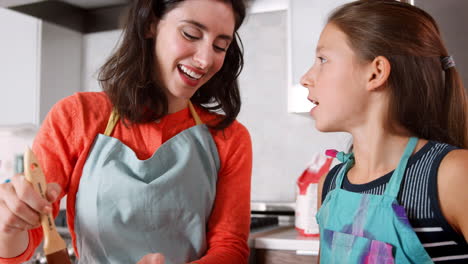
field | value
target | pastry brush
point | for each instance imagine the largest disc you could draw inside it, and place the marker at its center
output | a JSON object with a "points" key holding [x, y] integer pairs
{"points": [[55, 248]]}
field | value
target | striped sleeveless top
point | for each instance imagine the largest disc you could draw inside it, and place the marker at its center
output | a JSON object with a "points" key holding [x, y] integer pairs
{"points": [[419, 196]]}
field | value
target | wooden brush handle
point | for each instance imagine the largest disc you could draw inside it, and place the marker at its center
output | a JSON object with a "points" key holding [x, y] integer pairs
{"points": [[33, 173]]}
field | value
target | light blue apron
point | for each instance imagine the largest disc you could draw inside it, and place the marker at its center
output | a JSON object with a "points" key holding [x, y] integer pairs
{"points": [[365, 228], [127, 208]]}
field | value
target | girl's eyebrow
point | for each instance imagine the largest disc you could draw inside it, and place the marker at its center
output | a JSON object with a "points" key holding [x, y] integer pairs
{"points": [[203, 27], [319, 49]]}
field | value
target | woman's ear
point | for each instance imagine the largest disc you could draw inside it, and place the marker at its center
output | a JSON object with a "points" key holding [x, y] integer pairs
{"points": [[152, 28], [379, 71]]}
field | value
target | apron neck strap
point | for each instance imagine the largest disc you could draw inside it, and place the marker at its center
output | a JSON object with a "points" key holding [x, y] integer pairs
{"points": [[393, 186], [114, 118], [195, 116], [349, 162]]}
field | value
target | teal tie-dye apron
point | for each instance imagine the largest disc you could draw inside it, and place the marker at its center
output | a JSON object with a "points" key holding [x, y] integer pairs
{"points": [[127, 207], [366, 228]]}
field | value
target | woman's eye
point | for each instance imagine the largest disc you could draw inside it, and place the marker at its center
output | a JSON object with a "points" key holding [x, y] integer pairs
{"points": [[221, 45], [189, 36], [218, 48]]}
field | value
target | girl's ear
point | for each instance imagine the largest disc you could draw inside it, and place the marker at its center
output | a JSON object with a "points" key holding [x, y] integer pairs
{"points": [[378, 73]]}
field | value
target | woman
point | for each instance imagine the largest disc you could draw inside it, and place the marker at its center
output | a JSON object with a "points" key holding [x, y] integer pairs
{"points": [[143, 174], [383, 74]]}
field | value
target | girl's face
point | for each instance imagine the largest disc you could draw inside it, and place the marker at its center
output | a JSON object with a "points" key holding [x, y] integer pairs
{"points": [[190, 45], [336, 83]]}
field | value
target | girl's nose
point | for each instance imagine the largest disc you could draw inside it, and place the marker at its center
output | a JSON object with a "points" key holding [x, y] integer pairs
{"points": [[307, 79]]}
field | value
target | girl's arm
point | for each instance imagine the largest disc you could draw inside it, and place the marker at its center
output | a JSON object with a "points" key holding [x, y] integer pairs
{"points": [[452, 183]]}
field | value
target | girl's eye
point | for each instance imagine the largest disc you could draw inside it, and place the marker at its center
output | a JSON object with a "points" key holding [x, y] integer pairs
{"points": [[322, 60]]}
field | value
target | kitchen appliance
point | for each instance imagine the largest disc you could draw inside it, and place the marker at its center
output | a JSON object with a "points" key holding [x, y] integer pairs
{"points": [[13, 142], [271, 214]]}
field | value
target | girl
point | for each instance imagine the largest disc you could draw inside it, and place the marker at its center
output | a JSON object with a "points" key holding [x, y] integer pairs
{"points": [[383, 74], [142, 172]]}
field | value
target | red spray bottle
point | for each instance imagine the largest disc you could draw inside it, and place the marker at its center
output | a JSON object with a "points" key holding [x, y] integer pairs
{"points": [[306, 199]]}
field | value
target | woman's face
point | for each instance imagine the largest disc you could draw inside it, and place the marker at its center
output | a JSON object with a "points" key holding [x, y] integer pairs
{"points": [[190, 46], [336, 83]]}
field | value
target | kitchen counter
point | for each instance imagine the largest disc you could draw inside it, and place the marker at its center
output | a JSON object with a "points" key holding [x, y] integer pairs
{"points": [[282, 245], [283, 238]]}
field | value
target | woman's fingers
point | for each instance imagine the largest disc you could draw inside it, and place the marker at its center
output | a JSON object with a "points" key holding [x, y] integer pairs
{"points": [[20, 206], [26, 193], [156, 258], [10, 223], [53, 191]]}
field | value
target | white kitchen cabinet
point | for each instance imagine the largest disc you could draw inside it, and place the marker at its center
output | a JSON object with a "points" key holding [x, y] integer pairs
{"points": [[40, 63], [306, 19]]}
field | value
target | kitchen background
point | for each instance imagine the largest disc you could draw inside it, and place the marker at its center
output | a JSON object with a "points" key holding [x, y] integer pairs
{"points": [[45, 57], [41, 62]]}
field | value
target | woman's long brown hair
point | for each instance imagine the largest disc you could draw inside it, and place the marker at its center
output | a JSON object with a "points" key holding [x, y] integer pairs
{"points": [[128, 75], [425, 99]]}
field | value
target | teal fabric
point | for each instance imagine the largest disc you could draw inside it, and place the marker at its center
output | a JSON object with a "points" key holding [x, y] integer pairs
{"points": [[127, 208], [365, 228]]}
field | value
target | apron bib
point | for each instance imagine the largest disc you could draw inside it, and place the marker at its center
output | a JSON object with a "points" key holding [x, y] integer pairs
{"points": [[127, 208], [366, 228]]}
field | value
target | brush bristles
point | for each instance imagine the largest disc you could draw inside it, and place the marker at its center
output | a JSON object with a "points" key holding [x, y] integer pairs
{"points": [[59, 257], [53, 242]]}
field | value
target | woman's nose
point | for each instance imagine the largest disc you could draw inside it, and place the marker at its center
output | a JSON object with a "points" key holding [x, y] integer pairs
{"points": [[204, 56]]}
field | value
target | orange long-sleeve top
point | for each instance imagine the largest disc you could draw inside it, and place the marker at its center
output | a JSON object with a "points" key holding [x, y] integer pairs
{"points": [[67, 134]]}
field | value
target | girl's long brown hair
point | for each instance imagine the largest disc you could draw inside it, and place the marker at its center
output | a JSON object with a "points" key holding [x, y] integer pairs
{"points": [[127, 76], [426, 99]]}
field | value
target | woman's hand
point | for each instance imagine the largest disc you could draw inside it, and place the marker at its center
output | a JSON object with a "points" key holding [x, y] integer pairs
{"points": [[156, 258], [21, 205]]}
